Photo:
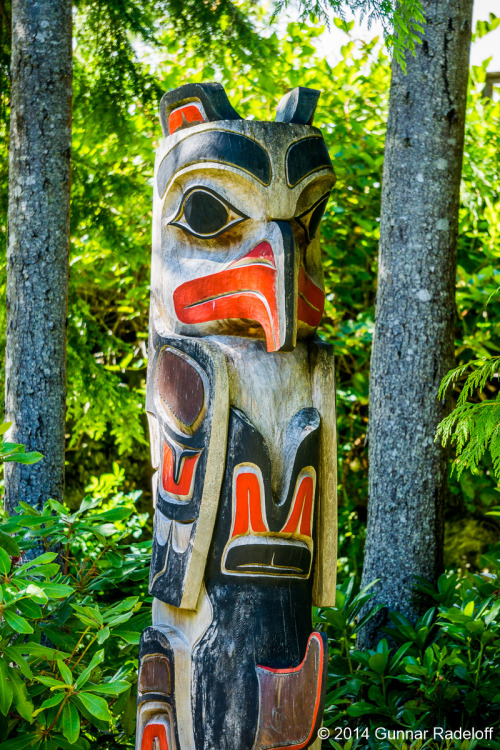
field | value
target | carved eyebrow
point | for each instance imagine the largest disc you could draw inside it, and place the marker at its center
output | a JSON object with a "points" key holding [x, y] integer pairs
{"points": [[219, 146], [305, 157]]}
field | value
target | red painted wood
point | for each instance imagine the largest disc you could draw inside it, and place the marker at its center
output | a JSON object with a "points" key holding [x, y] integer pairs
{"points": [[186, 478], [248, 511], [183, 115], [311, 300], [246, 292], [152, 732], [302, 509]]}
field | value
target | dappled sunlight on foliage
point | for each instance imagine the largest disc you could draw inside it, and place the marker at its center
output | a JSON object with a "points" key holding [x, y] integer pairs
{"points": [[113, 154], [72, 586]]}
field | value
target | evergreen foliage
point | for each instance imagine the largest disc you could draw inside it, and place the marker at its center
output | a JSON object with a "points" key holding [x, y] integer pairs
{"points": [[473, 427], [113, 153], [402, 20]]}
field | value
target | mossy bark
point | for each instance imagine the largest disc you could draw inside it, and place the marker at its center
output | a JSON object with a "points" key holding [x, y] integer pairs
{"points": [[37, 256], [414, 329]]}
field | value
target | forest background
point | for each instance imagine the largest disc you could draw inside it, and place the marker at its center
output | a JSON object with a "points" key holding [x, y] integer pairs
{"points": [[115, 134]]}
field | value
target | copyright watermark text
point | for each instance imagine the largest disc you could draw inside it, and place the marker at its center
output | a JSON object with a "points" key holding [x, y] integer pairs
{"points": [[381, 733]]}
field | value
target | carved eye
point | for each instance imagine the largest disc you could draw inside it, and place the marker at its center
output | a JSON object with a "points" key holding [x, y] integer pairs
{"points": [[310, 219], [205, 214]]}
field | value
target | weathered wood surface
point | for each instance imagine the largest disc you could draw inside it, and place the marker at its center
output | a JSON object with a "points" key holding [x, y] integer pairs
{"points": [[38, 245], [414, 326], [241, 406]]}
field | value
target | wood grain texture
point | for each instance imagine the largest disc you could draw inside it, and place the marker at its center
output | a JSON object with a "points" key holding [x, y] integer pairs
{"points": [[185, 515], [323, 397]]}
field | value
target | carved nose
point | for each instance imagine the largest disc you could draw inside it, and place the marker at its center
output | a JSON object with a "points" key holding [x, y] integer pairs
{"points": [[287, 268]]}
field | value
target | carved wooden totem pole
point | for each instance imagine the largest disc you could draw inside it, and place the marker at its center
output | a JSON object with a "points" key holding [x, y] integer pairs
{"points": [[241, 404]]}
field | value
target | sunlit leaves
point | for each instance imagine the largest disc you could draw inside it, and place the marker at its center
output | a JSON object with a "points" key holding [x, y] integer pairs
{"points": [[87, 674]]}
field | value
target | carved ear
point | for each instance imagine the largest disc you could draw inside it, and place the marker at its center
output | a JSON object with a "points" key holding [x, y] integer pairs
{"points": [[194, 103], [298, 106]]}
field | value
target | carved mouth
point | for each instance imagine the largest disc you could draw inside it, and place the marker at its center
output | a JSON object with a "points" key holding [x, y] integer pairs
{"points": [[245, 292], [267, 556]]}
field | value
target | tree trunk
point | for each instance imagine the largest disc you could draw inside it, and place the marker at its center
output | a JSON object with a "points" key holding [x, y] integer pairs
{"points": [[414, 329], [37, 256]]}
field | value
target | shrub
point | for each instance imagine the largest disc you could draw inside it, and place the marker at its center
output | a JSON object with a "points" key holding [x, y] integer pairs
{"points": [[443, 671], [71, 620]]}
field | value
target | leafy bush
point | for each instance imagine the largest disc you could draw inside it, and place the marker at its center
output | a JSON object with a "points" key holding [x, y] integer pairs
{"points": [[443, 671], [71, 620]]}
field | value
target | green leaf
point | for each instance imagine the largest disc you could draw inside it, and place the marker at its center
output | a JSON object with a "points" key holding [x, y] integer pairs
{"points": [[21, 742], [20, 696], [36, 593], [50, 703], [378, 662], [16, 622], [51, 682], [85, 675], [57, 506], [128, 636], [56, 590], [96, 706], [65, 672], [28, 508], [29, 609], [475, 626], [129, 715], [108, 688], [119, 618], [9, 544], [21, 457], [114, 558], [13, 653], [44, 652], [6, 691], [103, 635], [70, 722], [115, 514], [469, 609], [46, 557], [5, 563], [361, 709]]}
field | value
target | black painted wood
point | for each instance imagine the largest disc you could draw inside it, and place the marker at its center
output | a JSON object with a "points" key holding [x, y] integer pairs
{"points": [[258, 619], [211, 95], [305, 157], [169, 566], [298, 106], [217, 146]]}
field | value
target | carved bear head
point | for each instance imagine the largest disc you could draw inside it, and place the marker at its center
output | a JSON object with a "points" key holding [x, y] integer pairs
{"points": [[237, 206]]}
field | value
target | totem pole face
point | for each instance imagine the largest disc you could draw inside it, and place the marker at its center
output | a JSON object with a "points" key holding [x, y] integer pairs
{"points": [[237, 206]]}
